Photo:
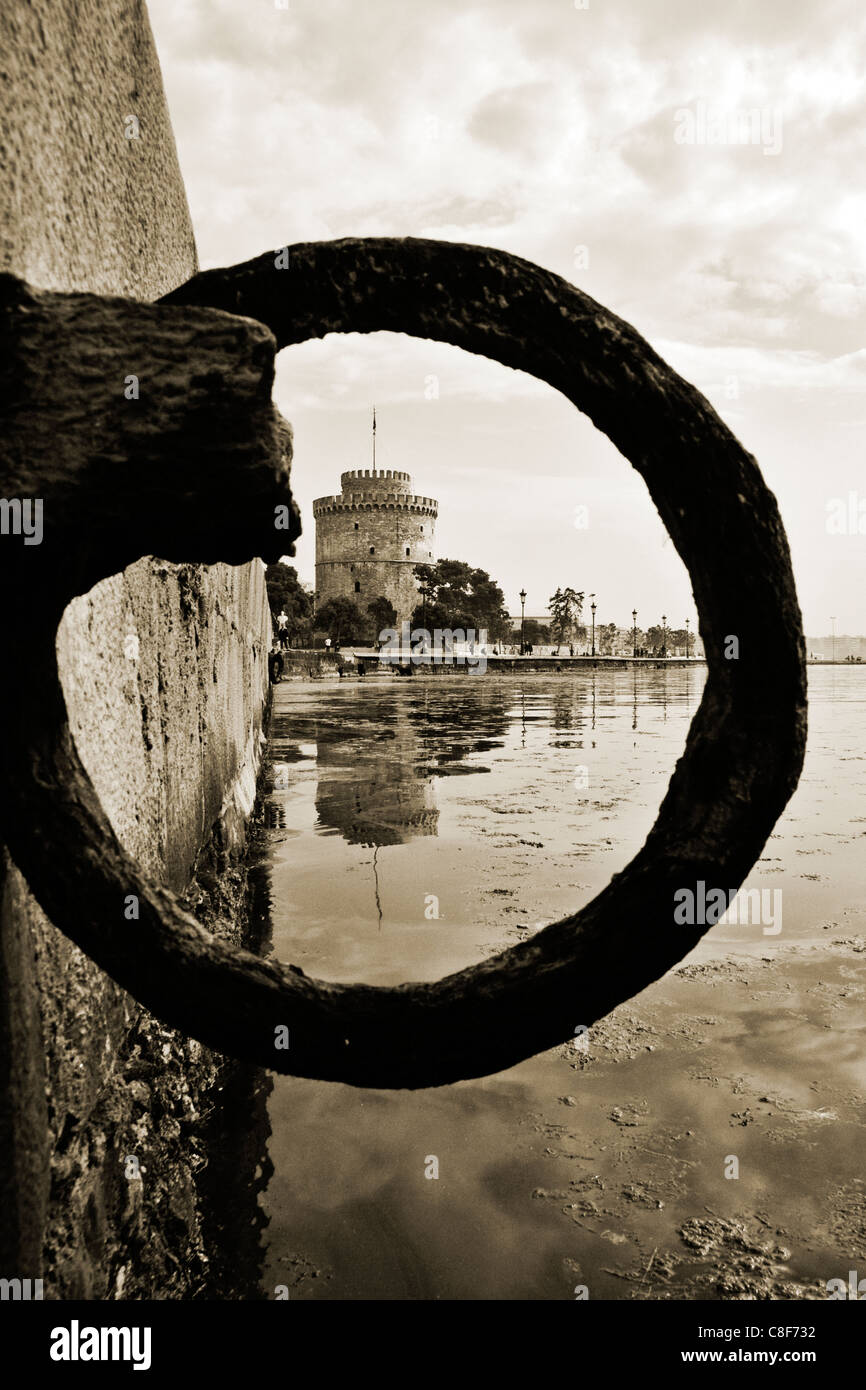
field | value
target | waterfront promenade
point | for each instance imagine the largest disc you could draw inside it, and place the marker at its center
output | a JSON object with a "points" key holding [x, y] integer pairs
{"points": [[315, 663], [371, 659]]}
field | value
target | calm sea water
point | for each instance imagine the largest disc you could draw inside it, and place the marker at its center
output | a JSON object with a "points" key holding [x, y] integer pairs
{"points": [[418, 826]]}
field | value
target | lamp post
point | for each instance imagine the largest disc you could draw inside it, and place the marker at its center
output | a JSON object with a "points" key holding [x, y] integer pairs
{"points": [[664, 635], [688, 640], [833, 639], [592, 611], [634, 632], [522, 620]]}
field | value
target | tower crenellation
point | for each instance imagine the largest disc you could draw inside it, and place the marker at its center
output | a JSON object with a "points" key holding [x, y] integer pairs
{"points": [[375, 479]]}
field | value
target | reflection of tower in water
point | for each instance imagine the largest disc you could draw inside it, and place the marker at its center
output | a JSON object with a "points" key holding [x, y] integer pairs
{"points": [[379, 795], [378, 767]]}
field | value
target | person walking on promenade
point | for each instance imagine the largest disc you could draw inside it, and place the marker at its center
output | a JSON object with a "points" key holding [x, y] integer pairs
{"points": [[275, 665]]}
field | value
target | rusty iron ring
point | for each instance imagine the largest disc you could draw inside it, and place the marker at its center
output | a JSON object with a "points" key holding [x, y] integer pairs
{"points": [[743, 754]]}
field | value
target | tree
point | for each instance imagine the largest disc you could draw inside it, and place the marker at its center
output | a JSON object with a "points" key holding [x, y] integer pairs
{"points": [[566, 609], [287, 594], [342, 620], [606, 637], [455, 595], [535, 633], [556, 609], [383, 615]]}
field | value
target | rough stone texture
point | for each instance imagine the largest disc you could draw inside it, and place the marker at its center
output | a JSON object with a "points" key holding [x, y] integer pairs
{"points": [[83, 207], [24, 1160], [183, 720], [301, 664], [171, 741], [370, 537]]}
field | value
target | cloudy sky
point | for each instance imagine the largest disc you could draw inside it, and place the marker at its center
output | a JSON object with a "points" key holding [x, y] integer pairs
{"points": [[697, 168]]}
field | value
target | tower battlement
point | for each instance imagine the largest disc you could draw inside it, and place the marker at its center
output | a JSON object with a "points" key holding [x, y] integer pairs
{"points": [[376, 501], [373, 478]]}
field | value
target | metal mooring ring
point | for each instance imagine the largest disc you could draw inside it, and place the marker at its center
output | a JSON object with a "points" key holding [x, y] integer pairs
{"points": [[743, 754]]}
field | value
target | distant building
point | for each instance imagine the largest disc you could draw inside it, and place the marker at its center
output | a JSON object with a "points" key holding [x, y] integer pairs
{"points": [[515, 620], [371, 536]]}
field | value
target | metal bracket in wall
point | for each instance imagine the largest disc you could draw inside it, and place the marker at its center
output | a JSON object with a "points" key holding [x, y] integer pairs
{"points": [[193, 480]]}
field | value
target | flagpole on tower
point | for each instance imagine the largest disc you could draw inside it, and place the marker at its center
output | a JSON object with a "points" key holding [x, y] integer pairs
{"points": [[374, 439]]}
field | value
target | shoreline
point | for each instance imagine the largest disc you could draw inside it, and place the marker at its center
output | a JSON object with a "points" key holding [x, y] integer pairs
{"points": [[320, 663]]}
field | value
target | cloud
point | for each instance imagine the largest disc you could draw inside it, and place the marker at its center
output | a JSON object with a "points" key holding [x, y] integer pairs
{"points": [[516, 119]]}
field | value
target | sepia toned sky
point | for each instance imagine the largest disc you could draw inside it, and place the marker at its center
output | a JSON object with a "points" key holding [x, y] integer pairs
{"points": [[697, 168]]}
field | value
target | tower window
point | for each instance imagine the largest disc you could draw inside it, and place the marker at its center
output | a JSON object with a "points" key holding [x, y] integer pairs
{"points": [[407, 550], [357, 586], [356, 526], [372, 550]]}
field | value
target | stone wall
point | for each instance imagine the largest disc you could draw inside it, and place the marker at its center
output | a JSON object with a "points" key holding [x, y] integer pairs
{"points": [[165, 674], [300, 664]]}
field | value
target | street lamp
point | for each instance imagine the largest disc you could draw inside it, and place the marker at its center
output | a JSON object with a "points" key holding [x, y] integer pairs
{"points": [[634, 632], [522, 620], [664, 635], [592, 610], [688, 639], [833, 639]]}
